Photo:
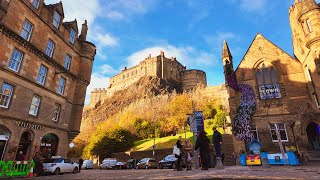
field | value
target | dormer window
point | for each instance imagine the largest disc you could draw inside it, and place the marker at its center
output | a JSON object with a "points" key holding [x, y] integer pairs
{"points": [[56, 19], [72, 35], [35, 3]]}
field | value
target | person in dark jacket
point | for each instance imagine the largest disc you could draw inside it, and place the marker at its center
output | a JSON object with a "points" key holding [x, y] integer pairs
{"points": [[80, 164], [217, 141], [203, 143], [179, 145], [38, 170]]}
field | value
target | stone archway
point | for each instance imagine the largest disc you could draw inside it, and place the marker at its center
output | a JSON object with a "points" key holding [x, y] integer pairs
{"points": [[4, 137], [25, 144], [313, 133], [49, 145]]}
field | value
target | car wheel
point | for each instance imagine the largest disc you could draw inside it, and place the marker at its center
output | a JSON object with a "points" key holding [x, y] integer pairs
{"points": [[75, 170], [173, 166], [160, 166], [56, 171], [146, 167]]}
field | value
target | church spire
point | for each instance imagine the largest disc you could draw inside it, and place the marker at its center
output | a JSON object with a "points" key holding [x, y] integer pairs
{"points": [[226, 52]]}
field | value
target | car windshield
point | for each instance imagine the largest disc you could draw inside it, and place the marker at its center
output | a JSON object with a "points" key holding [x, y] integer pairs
{"points": [[56, 160]]}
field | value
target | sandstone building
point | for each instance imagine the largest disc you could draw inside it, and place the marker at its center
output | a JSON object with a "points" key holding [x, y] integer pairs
{"points": [[159, 66], [45, 68], [285, 89]]}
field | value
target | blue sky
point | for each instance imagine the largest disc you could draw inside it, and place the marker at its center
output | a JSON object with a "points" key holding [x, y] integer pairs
{"points": [[126, 31]]}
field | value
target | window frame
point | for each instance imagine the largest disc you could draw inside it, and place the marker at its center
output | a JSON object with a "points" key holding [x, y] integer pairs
{"points": [[54, 20], [26, 21], [51, 49], [72, 35], [56, 115], [309, 27], [9, 97], [255, 129], [44, 76], [37, 106], [61, 91], [285, 130], [65, 62], [35, 5], [16, 60]]}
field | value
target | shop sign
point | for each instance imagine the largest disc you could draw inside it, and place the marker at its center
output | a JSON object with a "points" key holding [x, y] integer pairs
{"points": [[28, 125], [270, 91], [45, 144]]}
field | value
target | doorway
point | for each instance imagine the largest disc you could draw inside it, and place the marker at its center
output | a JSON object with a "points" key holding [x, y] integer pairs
{"points": [[313, 132], [49, 145], [4, 137], [25, 144]]}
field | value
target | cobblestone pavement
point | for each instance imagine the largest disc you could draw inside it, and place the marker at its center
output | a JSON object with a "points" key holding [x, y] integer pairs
{"points": [[230, 172]]}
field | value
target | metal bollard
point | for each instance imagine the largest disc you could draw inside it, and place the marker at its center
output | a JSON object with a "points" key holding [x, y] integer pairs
{"points": [[219, 164], [265, 163]]}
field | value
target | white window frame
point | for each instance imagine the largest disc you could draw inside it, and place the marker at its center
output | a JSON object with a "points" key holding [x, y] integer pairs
{"points": [[56, 112], [72, 35], [35, 105], [62, 85], [67, 62], [309, 26], [35, 3], [5, 96], [42, 74], [15, 60], [255, 130], [26, 30], [50, 48], [285, 129], [56, 19]]}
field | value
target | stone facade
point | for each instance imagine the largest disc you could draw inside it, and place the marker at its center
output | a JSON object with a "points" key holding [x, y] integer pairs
{"points": [[43, 84], [286, 88], [159, 66]]}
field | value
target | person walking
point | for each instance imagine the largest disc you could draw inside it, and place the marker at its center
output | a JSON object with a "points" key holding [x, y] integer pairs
{"points": [[80, 164], [188, 148], [217, 141], [179, 155], [203, 143]]}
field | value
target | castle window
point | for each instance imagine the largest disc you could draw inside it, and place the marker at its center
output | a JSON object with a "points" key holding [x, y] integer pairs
{"points": [[67, 62], [35, 3], [309, 25], [56, 19], [267, 81], [50, 48], [72, 35], [56, 112], [26, 30], [42, 74], [15, 60], [5, 95], [35, 104]]}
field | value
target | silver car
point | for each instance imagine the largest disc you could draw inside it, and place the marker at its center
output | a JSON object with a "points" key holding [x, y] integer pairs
{"points": [[87, 164]]}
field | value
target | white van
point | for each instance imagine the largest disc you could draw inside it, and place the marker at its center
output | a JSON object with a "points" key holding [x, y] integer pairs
{"points": [[87, 164]]}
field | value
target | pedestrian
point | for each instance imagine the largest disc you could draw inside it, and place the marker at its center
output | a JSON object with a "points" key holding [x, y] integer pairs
{"points": [[222, 156], [178, 153], [80, 164], [234, 158], [203, 143], [20, 156], [217, 141], [188, 148], [38, 170]]}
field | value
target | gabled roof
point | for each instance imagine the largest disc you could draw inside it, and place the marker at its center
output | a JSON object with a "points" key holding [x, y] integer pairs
{"points": [[57, 7], [72, 24], [255, 39]]}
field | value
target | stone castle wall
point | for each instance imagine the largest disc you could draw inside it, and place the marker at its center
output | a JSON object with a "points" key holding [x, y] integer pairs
{"points": [[192, 78]]}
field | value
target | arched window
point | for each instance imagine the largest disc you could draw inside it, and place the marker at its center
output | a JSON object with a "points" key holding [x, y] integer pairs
{"points": [[267, 81]]}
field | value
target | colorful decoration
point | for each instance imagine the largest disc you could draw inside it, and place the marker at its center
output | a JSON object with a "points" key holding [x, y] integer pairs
{"points": [[242, 120]]}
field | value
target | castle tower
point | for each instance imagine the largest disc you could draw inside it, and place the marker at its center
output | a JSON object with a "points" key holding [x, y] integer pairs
{"points": [[227, 60], [305, 26]]}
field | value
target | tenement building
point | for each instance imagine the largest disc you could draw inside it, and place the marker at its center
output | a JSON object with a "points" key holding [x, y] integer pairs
{"points": [[274, 95], [159, 66], [45, 68]]}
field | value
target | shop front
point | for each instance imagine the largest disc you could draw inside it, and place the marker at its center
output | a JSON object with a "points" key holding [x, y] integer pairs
{"points": [[49, 145]]}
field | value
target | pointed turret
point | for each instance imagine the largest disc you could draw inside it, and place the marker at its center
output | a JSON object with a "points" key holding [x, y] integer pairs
{"points": [[227, 60], [226, 52]]}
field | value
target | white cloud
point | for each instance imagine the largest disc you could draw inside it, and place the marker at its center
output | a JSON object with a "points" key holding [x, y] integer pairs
{"points": [[98, 80], [108, 70], [185, 55], [216, 41], [105, 40]]}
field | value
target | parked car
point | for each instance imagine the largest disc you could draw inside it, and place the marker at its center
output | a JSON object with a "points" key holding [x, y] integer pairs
{"points": [[121, 165], [109, 163], [87, 164], [57, 165], [169, 161], [147, 163]]}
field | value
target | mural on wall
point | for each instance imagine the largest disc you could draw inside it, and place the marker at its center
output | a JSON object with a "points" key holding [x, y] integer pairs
{"points": [[241, 124]]}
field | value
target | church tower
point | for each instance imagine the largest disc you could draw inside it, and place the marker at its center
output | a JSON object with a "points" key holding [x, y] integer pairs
{"points": [[227, 60], [305, 25]]}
